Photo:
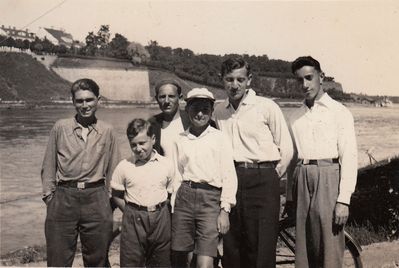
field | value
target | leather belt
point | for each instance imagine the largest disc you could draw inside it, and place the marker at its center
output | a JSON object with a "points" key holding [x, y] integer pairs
{"points": [[81, 185], [266, 164], [149, 208], [198, 185], [319, 162]]}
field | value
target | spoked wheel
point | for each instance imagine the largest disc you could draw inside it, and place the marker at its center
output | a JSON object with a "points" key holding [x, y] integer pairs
{"points": [[286, 246]]}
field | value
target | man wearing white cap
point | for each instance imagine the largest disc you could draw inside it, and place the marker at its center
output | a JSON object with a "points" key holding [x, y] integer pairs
{"points": [[208, 186]]}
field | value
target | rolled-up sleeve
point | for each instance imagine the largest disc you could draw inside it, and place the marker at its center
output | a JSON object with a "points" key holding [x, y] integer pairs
{"points": [[118, 178], [229, 177]]}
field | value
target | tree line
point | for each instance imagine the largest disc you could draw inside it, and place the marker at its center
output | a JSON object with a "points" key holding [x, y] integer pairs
{"points": [[272, 77]]}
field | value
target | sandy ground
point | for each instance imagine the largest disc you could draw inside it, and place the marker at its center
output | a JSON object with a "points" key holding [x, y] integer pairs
{"points": [[381, 255]]}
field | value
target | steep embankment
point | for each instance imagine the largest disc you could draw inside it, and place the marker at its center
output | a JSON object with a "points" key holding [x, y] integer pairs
{"points": [[24, 78], [119, 79]]}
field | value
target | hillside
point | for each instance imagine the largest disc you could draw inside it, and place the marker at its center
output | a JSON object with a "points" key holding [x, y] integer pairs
{"points": [[117, 77], [23, 78]]}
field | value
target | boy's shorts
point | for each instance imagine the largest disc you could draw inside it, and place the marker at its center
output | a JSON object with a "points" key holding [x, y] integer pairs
{"points": [[195, 220]]}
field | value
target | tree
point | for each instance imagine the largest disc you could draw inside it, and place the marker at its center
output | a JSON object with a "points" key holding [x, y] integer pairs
{"points": [[26, 44], [91, 44], [102, 39], [118, 46], [137, 53], [47, 45], [10, 42]]}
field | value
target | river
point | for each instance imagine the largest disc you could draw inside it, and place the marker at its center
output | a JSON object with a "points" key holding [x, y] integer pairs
{"points": [[24, 135]]}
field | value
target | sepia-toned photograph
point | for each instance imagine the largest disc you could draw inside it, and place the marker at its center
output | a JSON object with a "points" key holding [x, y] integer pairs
{"points": [[208, 134]]}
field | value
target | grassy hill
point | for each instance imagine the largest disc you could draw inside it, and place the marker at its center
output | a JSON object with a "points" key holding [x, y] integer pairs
{"points": [[23, 78]]}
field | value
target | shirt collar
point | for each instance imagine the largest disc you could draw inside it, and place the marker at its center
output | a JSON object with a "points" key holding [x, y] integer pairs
{"points": [[248, 98], [155, 157], [325, 100], [92, 126], [187, 133]]}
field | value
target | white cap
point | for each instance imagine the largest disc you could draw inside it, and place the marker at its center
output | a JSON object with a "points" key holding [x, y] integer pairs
{"points": [[200, 93]]}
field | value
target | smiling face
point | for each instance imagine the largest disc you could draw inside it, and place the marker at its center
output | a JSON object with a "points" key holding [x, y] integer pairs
{"points": [[200, 111], [168, 99], [310, 81], [85, 104], [142, 145]]}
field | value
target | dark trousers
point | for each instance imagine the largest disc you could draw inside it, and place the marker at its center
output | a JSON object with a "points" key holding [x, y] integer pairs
{"points": [[252, 239], [319, 242], [145, 238], [72, 212]]}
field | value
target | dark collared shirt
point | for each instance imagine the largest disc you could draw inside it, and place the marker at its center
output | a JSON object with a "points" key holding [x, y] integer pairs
{"points": [[69, 158]]}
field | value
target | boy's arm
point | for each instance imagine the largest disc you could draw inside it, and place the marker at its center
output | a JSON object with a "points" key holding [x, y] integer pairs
{"points": [[114, 159], [229, 177], [118, 197]]}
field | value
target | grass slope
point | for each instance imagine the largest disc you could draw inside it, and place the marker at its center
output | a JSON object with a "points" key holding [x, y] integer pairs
{"points": [[23, 78]]}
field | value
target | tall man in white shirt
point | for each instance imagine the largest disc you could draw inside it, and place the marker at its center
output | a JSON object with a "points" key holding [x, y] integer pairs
{"points": [[262, 150], [325, 173]]}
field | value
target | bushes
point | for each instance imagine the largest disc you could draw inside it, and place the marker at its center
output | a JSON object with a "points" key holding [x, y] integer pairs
{"points": [[375, 202]]}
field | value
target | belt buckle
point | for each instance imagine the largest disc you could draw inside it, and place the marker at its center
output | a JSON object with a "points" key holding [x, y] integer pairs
{"points": [[305, 161], [152, 208], [81, 185]]}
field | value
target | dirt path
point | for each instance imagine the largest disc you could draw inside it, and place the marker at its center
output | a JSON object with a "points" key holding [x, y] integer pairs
{"points": [[381, 255]]}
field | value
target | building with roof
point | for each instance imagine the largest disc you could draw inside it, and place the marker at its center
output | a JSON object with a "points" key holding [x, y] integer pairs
{"points": [[16, 33], [56, 36]]}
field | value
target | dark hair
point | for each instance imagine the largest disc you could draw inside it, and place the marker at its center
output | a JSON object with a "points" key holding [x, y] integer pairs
{"points": [[167, 82], [305, 61], [137, 125], [85, 84], [234, 63]]}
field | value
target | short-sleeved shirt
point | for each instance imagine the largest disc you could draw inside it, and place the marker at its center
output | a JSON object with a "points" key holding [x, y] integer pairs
{"points": [[147, 184]]}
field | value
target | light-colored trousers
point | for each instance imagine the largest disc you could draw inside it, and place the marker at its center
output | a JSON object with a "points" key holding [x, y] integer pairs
{"points": [[319, 242]]}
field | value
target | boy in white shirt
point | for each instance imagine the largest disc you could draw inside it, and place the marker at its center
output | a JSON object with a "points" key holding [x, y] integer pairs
{"points": [[140, 186], [208, 187]]}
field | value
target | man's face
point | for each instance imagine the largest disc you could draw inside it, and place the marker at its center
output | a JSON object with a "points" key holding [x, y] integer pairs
{"points": [[200, 112], [142, 145], [310, 82], [85, 103], [168, 99], [235, 83]]}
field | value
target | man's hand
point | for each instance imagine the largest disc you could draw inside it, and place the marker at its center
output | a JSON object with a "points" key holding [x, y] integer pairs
{"points": [[48, 198], [341, 213], [223, 222]]}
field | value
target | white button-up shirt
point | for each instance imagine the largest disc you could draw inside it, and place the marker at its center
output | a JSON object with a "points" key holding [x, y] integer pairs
{"points": [[170, 132], [327, 131], [208, 158], [257, 130], [144, 185]]}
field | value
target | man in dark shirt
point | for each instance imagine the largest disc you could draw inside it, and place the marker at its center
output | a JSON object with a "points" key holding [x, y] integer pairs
{"points": [[81, 155], [171, 121]]}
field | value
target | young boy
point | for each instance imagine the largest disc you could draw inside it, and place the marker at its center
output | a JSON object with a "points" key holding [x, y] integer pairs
{"points": [[140, 186], [208, 187]]}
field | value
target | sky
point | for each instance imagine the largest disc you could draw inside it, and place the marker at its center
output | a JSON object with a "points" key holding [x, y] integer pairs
{"points": [[357, 42]]}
